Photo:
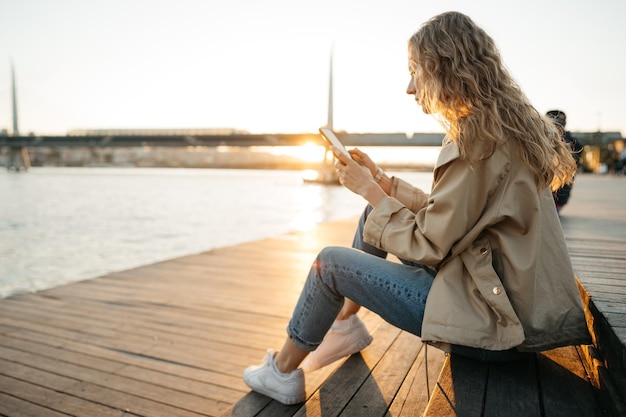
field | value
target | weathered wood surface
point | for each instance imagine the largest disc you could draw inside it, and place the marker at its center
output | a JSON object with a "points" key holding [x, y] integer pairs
{"points": [[595, 227], [547, 384]]}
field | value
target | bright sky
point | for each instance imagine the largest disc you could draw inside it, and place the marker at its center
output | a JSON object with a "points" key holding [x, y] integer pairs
{"points": [[262, 65]]}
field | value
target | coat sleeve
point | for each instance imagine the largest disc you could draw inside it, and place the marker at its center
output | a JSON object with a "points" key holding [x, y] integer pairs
{"points": [[411, 197], [459, 196]]}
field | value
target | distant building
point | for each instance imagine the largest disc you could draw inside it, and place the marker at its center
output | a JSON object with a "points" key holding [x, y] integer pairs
{"points": [[598, 148], [155, 132]]}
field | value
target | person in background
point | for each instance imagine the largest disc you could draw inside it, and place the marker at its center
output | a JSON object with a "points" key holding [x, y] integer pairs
{"points": [[621, 162], [562, 195], [485, 270]]}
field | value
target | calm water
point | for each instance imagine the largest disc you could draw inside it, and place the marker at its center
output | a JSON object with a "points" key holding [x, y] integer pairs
{"points": [[59, 225]]}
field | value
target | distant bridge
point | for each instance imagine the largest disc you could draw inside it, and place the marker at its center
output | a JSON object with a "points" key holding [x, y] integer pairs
{"points": [[213, 140]]}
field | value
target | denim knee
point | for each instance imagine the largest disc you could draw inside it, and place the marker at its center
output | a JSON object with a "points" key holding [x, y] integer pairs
{"points": [[319, 302]]}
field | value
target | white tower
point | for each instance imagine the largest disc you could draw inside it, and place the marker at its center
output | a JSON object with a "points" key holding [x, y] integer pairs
{"points": [[16, 131], [329, 121]]}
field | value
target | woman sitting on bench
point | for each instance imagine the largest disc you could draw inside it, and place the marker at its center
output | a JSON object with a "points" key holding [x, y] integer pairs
{"points": [[485, 267]]}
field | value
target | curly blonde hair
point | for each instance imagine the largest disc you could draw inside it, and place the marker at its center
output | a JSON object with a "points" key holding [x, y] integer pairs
{"points": [[463, 80]]}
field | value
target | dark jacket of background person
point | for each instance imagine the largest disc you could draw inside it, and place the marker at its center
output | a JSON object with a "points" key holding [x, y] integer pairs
{"points": [[562, 195]]}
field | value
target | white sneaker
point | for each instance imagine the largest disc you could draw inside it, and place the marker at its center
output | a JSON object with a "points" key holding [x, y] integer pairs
{"points": [[341, 340], [266, 379]]}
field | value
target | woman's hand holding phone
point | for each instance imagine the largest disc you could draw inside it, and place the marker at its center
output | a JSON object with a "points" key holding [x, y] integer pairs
{"points": [[356, 176]]}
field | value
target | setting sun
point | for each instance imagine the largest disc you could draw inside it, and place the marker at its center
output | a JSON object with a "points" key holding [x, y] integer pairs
{"points": [[309, 152]]}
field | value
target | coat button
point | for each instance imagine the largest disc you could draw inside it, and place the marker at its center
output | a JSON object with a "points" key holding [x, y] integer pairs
{"points": [[497, 290], [483, 251]]}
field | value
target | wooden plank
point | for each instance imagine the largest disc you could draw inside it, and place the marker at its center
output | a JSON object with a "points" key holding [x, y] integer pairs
{"points": [[419, 385], [171, 398], [382, 385], [460, 389], [512, 389], [127, 362], [566, 390], [548, 384], [180, 381], [130, 344], [17, 407], [56, 401]]}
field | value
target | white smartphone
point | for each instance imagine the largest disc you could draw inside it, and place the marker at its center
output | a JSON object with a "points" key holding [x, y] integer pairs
{"points": [[330, 137]]}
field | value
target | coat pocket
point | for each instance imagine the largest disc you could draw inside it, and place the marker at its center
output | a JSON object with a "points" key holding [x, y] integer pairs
{"points": [[478, 261]]}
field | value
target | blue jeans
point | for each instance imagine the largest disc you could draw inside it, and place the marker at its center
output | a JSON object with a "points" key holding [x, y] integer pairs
{"points": [[396, 292]]}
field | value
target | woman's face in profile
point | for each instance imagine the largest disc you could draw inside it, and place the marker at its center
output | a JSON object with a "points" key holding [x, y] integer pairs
{"points": [[416, 84]]}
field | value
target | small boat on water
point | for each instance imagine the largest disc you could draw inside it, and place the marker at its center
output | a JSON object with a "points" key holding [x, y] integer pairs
{"points": [[322, 176], [326, 175]]}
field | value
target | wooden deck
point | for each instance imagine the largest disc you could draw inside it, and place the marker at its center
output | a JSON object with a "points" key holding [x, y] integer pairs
{"points": [[172, 338], [595, 228]]}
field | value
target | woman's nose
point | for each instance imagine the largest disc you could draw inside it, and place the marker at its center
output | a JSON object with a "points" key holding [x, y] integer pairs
{"points": [[410, 89]]}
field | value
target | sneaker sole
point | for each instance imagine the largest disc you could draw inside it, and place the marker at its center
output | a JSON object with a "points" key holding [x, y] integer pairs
{"points": [[287, 400]]}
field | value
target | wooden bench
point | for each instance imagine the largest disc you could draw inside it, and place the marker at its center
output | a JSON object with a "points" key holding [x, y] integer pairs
{"points": [[600, 265], [553, 383], [569, 382]]}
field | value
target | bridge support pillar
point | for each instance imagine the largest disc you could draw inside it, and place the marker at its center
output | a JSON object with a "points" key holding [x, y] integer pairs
{"points": [[19, 159]]}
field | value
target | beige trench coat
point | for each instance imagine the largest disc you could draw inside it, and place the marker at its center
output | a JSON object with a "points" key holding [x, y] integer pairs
{"points": [[504, 277]]}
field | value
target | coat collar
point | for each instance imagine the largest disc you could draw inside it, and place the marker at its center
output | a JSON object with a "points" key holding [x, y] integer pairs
{"points": [[449, 152]]}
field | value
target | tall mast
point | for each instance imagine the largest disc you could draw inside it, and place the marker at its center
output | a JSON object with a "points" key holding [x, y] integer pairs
{"points": [[329, 121], [16, 131]]}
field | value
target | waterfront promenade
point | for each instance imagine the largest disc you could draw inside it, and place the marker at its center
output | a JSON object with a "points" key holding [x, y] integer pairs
{"points": [[172, 338]]}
